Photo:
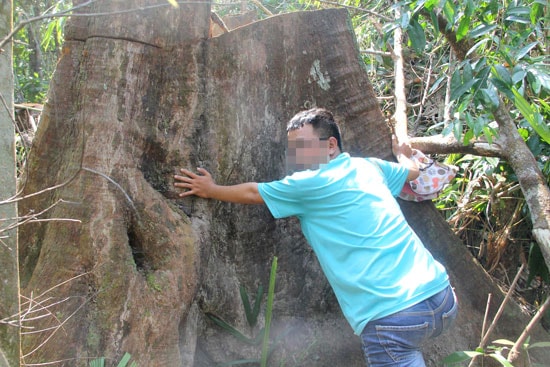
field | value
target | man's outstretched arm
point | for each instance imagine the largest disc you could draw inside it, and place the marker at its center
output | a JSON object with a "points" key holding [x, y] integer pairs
{"points": [[203, 185]]}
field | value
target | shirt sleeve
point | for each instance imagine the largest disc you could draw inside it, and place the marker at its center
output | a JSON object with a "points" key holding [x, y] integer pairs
{"points": [[281, 197], [395, 174]]}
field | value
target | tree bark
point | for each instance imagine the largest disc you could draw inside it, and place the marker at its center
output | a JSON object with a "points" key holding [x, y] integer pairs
{"points": [[9, 284], [137, 95]]}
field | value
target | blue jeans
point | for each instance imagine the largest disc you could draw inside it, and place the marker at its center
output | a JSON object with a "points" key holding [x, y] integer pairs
{"points": [[395, 340]]}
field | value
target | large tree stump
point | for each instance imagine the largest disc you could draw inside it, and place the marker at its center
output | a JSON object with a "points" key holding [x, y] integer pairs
{"points": [[137, 95]]}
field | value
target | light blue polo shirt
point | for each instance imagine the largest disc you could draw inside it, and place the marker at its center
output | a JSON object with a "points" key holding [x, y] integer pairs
{"points": [[374, 261]]}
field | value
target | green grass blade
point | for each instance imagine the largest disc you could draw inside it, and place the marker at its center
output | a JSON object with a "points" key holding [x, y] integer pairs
{"points": [[98, 362], [258, 302], [124, 361], [236, 333], [247, 309], [268, 312]]}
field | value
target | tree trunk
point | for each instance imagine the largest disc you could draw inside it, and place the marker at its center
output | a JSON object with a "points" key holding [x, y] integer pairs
{"points": [[9, 286], [137, 95]]}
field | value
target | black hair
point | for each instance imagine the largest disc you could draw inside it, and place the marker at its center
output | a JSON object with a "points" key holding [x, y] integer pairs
{"points": [[321, 120]]}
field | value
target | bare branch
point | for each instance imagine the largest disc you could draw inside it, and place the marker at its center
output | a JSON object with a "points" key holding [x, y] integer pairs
{"points": [[375, 52], [400, 113], [486, 335], [438, 144], [515, 351]]}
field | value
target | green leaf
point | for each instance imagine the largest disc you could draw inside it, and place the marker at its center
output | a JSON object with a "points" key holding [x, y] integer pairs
{"points": [[503, 87], [532, 116], [541, 73], [518, 74], [457, 129], [405, 19], [251, 313], [98, 362], [449, 12], [482, 29], [258, 301], [503, 361], [463, 28], [430, 4], [458, 357], [504, 342], [503, 74], [490, 98], [468, 136], [416, 36], [518, 14], [489, 134], [246, 305], [467, 73], [540, 345], [434, 22], [268, 312], [230, 329], [525, 50], [458, 90]]}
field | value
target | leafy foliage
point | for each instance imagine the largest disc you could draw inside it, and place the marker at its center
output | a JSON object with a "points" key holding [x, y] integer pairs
{"points": [[36, 48], [495, 352]]}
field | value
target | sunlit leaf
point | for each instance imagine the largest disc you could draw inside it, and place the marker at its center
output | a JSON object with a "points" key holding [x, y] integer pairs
{"points": [[482, 29], [532, 116], [449, 11], [518, 74], [503, 342], [430, 4], [540, 73], [518, 14], [174, 3], [468, 136], [525, 50], [463, 28], [405, 19]]}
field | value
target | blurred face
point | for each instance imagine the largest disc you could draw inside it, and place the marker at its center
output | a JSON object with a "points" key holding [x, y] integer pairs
{"points": [[306, 150]]}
